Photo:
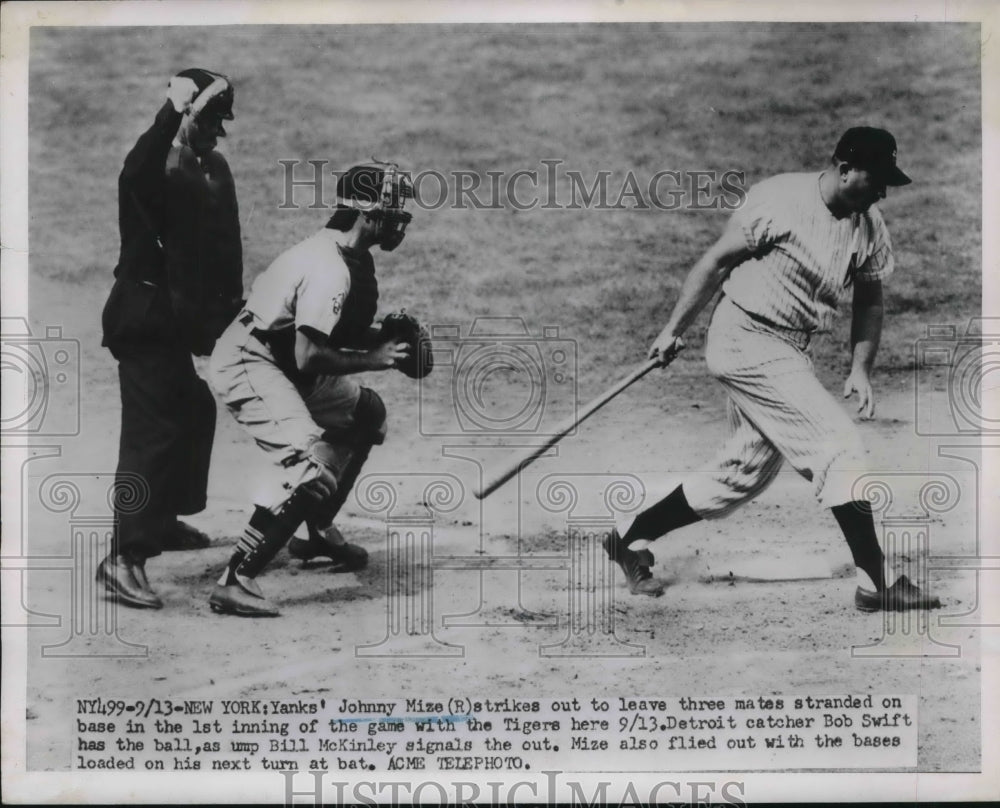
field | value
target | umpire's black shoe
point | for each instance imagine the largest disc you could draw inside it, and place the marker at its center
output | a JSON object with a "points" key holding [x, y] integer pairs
{"points": [[900, 597], [139, 573], [127, 582], [635, 565], [329, 543]]}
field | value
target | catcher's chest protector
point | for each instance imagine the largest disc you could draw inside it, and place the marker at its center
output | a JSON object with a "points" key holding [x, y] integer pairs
{"points": [[362, 299]]}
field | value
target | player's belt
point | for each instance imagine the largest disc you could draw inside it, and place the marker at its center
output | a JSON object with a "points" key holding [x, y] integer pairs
{"points": [[245, 318], [281, 344], [771, 324], [764, 321], [798, 336]]}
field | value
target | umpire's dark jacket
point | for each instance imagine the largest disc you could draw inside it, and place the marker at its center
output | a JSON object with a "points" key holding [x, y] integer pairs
{"points": [[178, 283], [179, 277]]}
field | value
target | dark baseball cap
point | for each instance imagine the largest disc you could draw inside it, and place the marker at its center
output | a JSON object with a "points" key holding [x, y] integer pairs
{"points": [[222, 104], [873, 150]]}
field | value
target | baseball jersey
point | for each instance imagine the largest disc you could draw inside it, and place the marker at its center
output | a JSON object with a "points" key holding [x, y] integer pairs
{"points": [[304, 286], [803, 258]]}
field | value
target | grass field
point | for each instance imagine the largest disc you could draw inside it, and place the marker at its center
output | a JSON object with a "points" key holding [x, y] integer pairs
{"points": [[753, 98]]}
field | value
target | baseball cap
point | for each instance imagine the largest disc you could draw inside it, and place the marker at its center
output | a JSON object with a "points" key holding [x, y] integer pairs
{"points": [[873, 150], [222, 104]]}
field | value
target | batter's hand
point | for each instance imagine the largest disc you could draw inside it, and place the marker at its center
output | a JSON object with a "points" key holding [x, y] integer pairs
{"points": [[860, 383], [181, 91], [386, 355], [665, 347]]}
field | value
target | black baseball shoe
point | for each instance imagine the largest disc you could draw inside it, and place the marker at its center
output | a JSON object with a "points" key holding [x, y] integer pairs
{"points": [[635, 565], [127, 582], [902, 596], [329, 543], [242, 597]]}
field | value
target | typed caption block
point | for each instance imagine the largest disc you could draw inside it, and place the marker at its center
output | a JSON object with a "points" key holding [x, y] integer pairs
{"points": [[460, 733]]}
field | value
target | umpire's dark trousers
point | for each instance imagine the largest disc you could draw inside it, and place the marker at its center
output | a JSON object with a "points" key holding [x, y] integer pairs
{"points": [[168, 426]]}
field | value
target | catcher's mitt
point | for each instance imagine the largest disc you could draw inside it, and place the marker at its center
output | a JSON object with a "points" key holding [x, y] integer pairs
{"points": [[401, 327]]}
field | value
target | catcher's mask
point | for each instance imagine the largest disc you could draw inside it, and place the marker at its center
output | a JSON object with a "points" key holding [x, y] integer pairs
{"points": [[379, 190]]}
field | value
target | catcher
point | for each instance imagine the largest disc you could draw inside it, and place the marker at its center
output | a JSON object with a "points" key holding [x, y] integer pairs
{"points": [[285, 367]]}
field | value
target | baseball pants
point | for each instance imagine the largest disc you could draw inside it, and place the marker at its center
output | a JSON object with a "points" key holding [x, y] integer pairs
{"points": [[167, 431], [777, 411], [283, 419]]}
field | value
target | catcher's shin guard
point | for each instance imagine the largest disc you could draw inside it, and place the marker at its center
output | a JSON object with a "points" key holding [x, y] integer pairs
{"points": [[370, 430], [264, 536], [323, 514]]}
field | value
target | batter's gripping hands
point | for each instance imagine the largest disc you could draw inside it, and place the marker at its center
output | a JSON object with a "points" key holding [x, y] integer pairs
{"points": [[665, 348], [401, 327]]}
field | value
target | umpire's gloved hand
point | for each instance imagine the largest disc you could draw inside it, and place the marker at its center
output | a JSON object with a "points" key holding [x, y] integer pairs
{"points": [[181, 91], [184, 94]]}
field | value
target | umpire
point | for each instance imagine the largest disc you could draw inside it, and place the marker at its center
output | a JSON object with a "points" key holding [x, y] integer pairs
{"points": [[178, 283]]}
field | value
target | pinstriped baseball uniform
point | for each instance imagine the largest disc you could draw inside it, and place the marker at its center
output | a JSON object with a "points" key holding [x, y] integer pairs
{"points": [[803, 261]]}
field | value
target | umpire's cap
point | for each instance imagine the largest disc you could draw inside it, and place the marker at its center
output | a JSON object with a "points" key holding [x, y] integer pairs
{"points": [[222, 104], [873, 150]]}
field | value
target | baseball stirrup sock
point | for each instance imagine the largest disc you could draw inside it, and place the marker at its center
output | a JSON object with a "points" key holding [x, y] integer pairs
{"points": [[668, 514], [253, 536], [264, 536], [858, 524]]}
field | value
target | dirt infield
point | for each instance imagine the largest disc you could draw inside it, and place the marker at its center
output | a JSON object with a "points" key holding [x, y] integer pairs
{"points": [[721, 638]]}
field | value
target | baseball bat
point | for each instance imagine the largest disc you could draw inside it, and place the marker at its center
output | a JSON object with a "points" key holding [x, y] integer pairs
{"points": [[565, 428]]}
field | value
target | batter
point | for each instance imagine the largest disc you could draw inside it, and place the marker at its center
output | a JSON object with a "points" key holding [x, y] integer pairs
{"points": [[800, 242]]}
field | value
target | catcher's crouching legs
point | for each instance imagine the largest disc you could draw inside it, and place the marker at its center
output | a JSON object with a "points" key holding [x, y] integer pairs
{"points": [[269, 530], [325, 540]]}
